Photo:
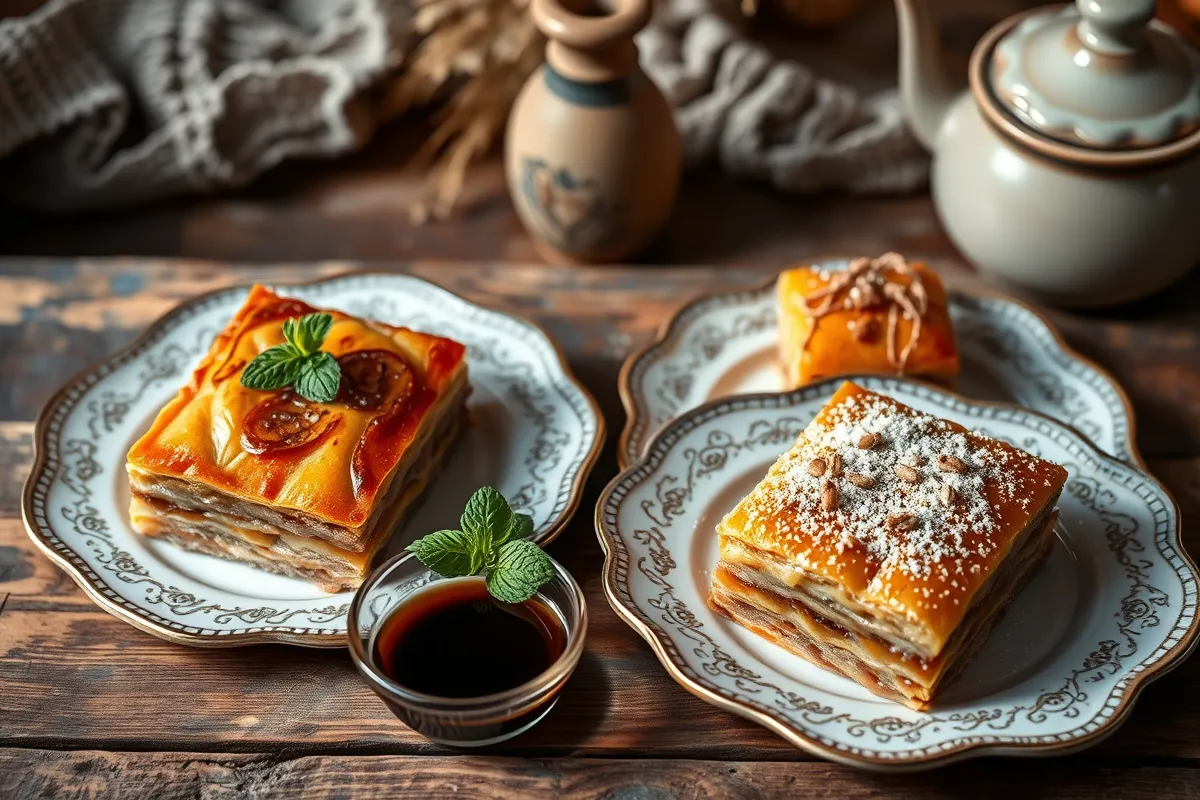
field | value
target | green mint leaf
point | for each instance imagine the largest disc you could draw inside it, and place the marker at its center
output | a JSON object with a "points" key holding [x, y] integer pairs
{"points": [[289, 332], [521, 567], [298, 362], [308, 332], [451, 554], [319, 377], [273, 368], [520, 526], [486, 517]]}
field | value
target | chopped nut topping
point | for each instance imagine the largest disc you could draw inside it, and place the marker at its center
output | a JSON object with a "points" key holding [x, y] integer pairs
{"points": [[835, 466], [861, 481], [948, 495], [914, 460], [829, 496], [816, 467], [902, 522], [945, 539], [868, 441], [951, 464], [907, 473]]}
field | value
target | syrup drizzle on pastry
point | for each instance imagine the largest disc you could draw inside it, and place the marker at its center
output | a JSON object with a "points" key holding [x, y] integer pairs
{"points": [[870, 284], [285, 422]]}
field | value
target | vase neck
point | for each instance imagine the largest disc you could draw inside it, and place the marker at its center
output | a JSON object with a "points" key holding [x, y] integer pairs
{"points": [[591, 40], [592, 66]]}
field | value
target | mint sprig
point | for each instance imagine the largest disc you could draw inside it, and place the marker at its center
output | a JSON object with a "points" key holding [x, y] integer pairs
{"points": [[493, 539], [298, 362], [521, 567]]}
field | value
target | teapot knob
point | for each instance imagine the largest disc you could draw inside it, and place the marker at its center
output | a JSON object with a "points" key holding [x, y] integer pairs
{"points": [[1114, 27]]}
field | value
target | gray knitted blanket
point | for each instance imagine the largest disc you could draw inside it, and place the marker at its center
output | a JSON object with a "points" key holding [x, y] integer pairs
{"points": [[113, 102]]}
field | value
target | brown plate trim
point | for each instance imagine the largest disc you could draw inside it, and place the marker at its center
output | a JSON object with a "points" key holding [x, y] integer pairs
{"points": [[150, 622]]}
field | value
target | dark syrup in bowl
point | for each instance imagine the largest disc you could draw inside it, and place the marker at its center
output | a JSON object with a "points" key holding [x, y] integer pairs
{"points": [[452, 640]]}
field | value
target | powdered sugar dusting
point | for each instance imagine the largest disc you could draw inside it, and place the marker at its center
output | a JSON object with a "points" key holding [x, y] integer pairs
{"points": [[903, 515]]}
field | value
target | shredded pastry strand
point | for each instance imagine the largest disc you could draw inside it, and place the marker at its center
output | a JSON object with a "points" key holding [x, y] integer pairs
{"points": [[870, 283]]}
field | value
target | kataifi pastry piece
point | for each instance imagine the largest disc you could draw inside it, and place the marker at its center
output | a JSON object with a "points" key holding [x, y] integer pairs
{"points": [[886, 544], [880, 315], [302, 488]]}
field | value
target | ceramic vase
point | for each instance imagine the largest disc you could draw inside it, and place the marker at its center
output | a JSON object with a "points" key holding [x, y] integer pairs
{"points": [[592, 154]]}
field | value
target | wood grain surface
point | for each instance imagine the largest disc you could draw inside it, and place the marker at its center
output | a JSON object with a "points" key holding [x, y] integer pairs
{"points": [[281, 719], [25, 775]]}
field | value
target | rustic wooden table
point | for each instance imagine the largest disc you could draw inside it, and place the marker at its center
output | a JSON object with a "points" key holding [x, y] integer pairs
{"points": [[89, 705], [92, 707]]}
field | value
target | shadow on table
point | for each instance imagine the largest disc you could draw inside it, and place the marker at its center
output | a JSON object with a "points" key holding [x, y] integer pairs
{"points": [[579, 714]]}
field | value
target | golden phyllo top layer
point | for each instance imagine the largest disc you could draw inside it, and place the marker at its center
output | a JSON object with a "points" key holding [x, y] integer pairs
{"points": [[902, 511], [331, 460]]}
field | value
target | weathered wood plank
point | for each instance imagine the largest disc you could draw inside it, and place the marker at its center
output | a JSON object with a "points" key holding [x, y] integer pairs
{"points": [[70, 665], [16, 457], [67, 669], [24, 570], [68, 686], [1150, 348], [357, 208], [1182, 477], [73, 313], [27, 774]]}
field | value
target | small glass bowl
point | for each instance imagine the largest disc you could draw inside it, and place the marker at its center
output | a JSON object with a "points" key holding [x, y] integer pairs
{"points": [[462, 721]]}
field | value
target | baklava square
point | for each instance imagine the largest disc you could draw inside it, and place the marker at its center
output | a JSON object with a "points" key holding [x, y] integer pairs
{"points": [[882, 316], [306, 489], [886, 543]]}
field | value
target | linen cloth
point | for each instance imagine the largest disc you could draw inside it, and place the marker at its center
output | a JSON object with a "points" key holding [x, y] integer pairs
{"points": [[107, 103]]}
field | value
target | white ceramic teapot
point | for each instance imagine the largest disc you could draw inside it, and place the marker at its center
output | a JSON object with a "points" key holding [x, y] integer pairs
{"points": [[1071, 166]]}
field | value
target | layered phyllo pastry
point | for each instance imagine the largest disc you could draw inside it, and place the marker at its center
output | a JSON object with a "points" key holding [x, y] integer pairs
{"points": [[880, 315], [311, 477], [886, 544]]}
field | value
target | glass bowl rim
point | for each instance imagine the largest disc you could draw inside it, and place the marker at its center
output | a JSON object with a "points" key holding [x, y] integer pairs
{"points": [[557, 672]]}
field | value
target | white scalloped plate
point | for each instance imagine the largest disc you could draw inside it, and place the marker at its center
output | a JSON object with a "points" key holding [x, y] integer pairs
{"points": [[535, 435], [724, 344], [1113, 607]]}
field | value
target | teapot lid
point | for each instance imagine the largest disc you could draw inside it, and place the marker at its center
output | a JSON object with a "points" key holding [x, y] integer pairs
{"points": [[1099, 74]]}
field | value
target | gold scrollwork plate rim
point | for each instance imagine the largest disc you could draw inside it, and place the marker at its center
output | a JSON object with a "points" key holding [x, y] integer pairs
{"points": [[971, 747]]}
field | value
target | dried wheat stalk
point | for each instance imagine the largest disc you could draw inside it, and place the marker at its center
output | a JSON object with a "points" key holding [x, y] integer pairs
{"points": [[473, 58]]}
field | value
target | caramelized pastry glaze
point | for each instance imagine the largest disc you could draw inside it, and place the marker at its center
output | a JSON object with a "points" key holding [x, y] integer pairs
{"points": [[330, 460], [853, 335]]}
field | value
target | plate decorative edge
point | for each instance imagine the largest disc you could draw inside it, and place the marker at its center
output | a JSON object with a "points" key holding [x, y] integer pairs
{"points": [[1135, 610], [48, 466]]}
